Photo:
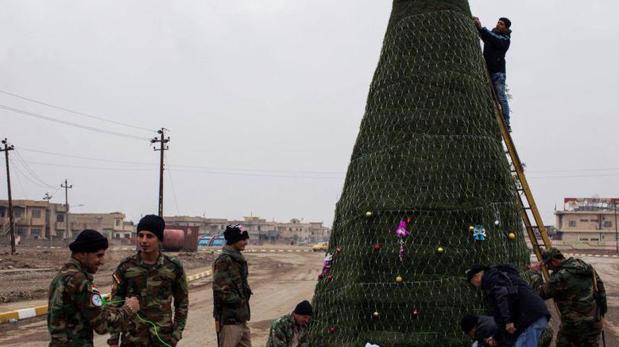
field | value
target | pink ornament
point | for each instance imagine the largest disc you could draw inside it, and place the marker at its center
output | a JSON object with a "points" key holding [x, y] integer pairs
{"points": [[402, 230]]}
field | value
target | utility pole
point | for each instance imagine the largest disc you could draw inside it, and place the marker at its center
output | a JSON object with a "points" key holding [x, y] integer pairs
{"points": [[66, 187], [162, 141], [6, 150], [47, 198]]}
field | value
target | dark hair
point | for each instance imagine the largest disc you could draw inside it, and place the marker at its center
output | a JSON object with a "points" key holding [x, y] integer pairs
{"points": [[508, 23], [468, 322]]}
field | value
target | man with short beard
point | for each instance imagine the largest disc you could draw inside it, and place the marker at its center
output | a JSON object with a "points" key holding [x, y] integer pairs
{"points": [[76, 306]]}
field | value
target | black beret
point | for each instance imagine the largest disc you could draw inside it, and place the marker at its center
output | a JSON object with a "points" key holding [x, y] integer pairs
{"points": [[234, 234], [88, 241], [304, 308], [152, 223]]}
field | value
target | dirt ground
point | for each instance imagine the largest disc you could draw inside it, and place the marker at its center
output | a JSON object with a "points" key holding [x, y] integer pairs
{"points": [[26, 275], [279, 281]]}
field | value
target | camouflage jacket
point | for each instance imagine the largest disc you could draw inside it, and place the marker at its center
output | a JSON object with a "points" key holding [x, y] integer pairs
{"points": [[571, 287], [283, 331], [231, 291], [158, 286], [75, 308]]}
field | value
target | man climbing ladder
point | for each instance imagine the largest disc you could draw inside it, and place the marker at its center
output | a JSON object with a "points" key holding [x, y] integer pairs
{"points": [[496, 44]]}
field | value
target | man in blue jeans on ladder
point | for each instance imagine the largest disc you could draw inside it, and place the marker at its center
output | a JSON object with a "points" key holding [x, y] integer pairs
{"points": [[496, 44]]}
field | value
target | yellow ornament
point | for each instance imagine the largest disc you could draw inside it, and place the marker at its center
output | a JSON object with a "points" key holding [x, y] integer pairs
{"points": [[471, 228], [368, 214], [399, 279], [440, 250], [511, 236]]}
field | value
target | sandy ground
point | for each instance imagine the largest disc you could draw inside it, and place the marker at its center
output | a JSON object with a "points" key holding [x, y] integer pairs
{"points": [[279, 281]]}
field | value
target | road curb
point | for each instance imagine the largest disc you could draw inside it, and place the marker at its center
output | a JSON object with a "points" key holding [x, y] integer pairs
{"points": [[37, 311]]}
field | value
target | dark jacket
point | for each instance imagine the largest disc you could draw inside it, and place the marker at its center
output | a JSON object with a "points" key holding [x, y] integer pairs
{"points": [[495, 46], [511, 298], [486, 327], [231, 291]]}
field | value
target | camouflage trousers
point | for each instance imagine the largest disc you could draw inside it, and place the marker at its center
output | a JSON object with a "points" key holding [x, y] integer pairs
{"points": [[586, 334]]}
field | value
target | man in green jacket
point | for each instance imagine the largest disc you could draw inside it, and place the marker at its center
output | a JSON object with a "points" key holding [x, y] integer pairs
{"points": [[76, 307], [580, 296], [161, 285], [291, 330], [231, 291]]}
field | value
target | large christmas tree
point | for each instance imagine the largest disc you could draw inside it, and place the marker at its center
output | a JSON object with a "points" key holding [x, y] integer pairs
{"points": [[428, 191]]}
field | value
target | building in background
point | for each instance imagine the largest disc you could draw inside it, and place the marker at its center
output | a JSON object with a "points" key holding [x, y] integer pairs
{"points": [[593, 220], [34, 219], [112, 225]]}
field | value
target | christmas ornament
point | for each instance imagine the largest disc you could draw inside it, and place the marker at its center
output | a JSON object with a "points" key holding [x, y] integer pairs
{"points": [[399, 279], [402, 232], [368, 214], [479, 233], [376, 315], [338, 250], [332, 330], [415, 312], [496, 222], [377, 246], [440, 250], [326, 265], [511, 236]]}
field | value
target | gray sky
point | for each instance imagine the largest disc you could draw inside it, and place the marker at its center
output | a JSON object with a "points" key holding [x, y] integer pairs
{"points": [[264, 99]]}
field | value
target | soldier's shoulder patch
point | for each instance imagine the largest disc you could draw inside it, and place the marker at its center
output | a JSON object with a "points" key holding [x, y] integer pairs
{"points": [[96, 300]]}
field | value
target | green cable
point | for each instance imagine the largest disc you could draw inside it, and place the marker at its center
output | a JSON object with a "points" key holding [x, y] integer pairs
{"points": [[156, 330], [154, 326]]}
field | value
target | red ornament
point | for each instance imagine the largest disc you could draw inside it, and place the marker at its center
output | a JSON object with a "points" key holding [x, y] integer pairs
{"points": [[332, 330], [377, 246], [338, 250], [321, 276], [409, 220], [330, 278]]}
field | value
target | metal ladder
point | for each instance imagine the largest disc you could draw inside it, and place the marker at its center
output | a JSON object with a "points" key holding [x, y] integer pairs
{"points": [[529, 213]]}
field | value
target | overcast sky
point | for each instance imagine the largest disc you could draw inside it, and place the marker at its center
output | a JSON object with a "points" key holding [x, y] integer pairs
{"points": [[264, 99]]}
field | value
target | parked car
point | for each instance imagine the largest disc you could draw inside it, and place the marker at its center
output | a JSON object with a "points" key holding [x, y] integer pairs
{"points": [[320, 247]]}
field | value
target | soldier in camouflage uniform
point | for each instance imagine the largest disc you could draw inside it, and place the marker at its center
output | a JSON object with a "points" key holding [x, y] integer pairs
{"points": [[291, 330], [231, 291], [75, 305], [581, 297], [159, 282]]}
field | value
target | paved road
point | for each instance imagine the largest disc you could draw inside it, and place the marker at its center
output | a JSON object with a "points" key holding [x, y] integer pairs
{"points": [[279, 282]]}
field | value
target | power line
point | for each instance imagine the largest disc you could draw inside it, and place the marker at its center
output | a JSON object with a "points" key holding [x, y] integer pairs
{"points": [[86, 127], [83, 114], [86, 158], [31, 171]]}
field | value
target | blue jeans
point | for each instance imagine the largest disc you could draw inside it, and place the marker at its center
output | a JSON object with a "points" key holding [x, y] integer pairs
{"points": [[531, 335], [498, 80]]}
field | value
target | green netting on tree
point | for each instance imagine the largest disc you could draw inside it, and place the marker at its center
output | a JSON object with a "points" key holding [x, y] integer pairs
{"points": [[428, 155]]}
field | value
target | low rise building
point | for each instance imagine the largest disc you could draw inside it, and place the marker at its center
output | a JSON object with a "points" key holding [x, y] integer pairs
{"points": [[112, 225], [593, 220], [36, 219]]}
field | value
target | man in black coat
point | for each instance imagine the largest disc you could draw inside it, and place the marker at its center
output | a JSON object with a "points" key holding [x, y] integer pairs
{"points": [[516, 308], [496, 44]]}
